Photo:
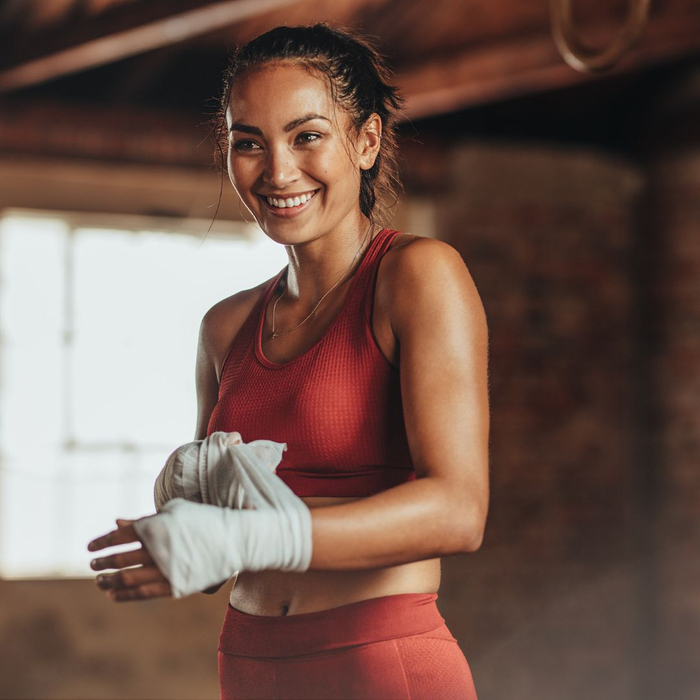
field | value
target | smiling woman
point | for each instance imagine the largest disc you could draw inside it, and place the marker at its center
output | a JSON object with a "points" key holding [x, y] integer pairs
{"points": [[300, 150], [367, 357]]}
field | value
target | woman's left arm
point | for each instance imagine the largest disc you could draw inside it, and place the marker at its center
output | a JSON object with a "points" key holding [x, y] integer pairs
{"points": [[439, 321]]}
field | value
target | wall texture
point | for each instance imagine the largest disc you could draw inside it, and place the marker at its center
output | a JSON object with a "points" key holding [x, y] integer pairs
{"points": [[547, 608], [675, 333]]}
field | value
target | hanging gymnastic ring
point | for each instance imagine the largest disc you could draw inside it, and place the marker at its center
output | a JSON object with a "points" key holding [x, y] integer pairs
{"points": [[586, 60]]}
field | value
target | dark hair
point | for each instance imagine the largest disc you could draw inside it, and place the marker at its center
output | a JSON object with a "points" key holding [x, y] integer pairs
{"points": [[359, 83]]}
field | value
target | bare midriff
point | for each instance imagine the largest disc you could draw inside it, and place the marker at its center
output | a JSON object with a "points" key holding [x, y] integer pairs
{"points": [[290, 593]]}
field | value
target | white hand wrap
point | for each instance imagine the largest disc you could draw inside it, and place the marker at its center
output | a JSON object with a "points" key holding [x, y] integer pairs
{"points": [[198, 544], [205, 472]]}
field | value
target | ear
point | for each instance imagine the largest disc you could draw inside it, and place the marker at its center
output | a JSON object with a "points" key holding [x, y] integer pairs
{"points": [[370, 141]]}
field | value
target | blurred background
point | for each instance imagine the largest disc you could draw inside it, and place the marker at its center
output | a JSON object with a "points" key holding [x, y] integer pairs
{"points": [[573, 196]]}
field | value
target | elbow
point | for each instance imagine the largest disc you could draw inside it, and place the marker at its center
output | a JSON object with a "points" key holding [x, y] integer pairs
{"points": [[473, 540], [464, 518], [473, 517]]}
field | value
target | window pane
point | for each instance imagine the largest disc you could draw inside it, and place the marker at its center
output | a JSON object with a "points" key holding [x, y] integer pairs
{"points": [[99, 330], [32, 301]]}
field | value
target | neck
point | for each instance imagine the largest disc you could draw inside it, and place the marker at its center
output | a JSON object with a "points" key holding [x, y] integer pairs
{"points": [[316, 266]]}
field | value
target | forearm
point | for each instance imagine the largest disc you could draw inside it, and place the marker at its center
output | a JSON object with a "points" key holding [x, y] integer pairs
{"points": [[421, 519]]}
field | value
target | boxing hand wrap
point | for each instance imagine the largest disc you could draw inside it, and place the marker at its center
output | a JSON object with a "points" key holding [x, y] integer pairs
{"points": [[224, 510], [204, 471], [197, 545]]}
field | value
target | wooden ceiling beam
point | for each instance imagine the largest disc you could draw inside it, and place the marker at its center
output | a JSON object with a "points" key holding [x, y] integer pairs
{"points": [[529, 65], [106, 133], [96, 48]]}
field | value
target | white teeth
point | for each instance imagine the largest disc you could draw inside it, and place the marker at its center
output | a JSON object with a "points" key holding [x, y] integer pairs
{"points": [[290, 202]]}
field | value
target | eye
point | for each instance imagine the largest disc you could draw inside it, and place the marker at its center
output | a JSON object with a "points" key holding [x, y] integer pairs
{"points": [[244, 145], [315, 136]]}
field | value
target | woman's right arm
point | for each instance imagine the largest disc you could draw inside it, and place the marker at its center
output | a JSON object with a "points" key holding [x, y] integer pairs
{"points": [[207, 384], [206, 379], [217, 330]]}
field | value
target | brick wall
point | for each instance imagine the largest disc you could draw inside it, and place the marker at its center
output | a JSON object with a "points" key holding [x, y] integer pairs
{"points": [[548, 607], [675, 176]]}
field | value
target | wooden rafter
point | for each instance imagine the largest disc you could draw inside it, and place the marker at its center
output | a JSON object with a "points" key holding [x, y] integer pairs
{"points": [[529, 65], [152, 34]]}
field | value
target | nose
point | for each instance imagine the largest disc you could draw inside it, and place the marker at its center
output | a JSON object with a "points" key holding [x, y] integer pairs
{"points": [[280, 168]]}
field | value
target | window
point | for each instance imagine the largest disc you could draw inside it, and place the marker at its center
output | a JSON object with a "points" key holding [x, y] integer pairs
{"points": [[99, 319]]}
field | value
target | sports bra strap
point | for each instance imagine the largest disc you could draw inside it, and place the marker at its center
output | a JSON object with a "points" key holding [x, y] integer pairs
{"points": [[367, 285]]}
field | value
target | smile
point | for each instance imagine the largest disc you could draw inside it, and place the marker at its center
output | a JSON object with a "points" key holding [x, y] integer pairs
{"points": [[289, 206]]}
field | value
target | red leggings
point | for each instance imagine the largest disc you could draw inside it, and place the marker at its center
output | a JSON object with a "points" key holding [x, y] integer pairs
{"points": [[395, 647]]}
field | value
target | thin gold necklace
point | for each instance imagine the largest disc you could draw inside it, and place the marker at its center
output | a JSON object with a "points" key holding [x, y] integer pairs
{"points": [[276, 334]]}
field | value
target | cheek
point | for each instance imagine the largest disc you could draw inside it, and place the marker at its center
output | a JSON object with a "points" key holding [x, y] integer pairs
{"points": [[334, 168], [241, 174]]}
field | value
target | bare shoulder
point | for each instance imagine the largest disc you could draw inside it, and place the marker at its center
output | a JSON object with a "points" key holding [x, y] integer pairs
{"points": [[219, 326], [223, 320], [420, 265], [407, 246], [424, 281]]}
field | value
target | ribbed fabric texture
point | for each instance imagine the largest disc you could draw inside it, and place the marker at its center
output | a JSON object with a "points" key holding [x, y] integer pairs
{"points": [[337, 406]]}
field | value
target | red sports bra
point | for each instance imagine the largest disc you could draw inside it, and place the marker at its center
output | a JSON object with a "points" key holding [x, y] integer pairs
{"points": [[337, 405]]}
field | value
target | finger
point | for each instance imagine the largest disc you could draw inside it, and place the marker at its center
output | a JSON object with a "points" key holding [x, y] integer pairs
{"points": [[121, 535], [122, 560], [144, 591], [233, 438], [130, 578]]}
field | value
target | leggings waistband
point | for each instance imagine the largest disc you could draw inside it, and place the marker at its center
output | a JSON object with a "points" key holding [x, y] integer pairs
{"points": [[365, 621]]}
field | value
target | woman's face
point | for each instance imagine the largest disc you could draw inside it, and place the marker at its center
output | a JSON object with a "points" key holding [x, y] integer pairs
{"points": [[289, 142]]}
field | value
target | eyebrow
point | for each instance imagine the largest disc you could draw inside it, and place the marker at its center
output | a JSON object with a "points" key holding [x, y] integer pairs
{"points": [[292, 125]]}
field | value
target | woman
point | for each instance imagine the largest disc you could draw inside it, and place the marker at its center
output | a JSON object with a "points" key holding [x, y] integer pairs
{"points": [[367, 355]]}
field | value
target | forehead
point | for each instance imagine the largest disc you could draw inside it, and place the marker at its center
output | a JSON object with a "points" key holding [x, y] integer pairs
{"points": [[279, 92]]}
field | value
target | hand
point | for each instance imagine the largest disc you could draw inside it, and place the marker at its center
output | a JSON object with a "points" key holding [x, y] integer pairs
{"points": [[145, 581]]}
